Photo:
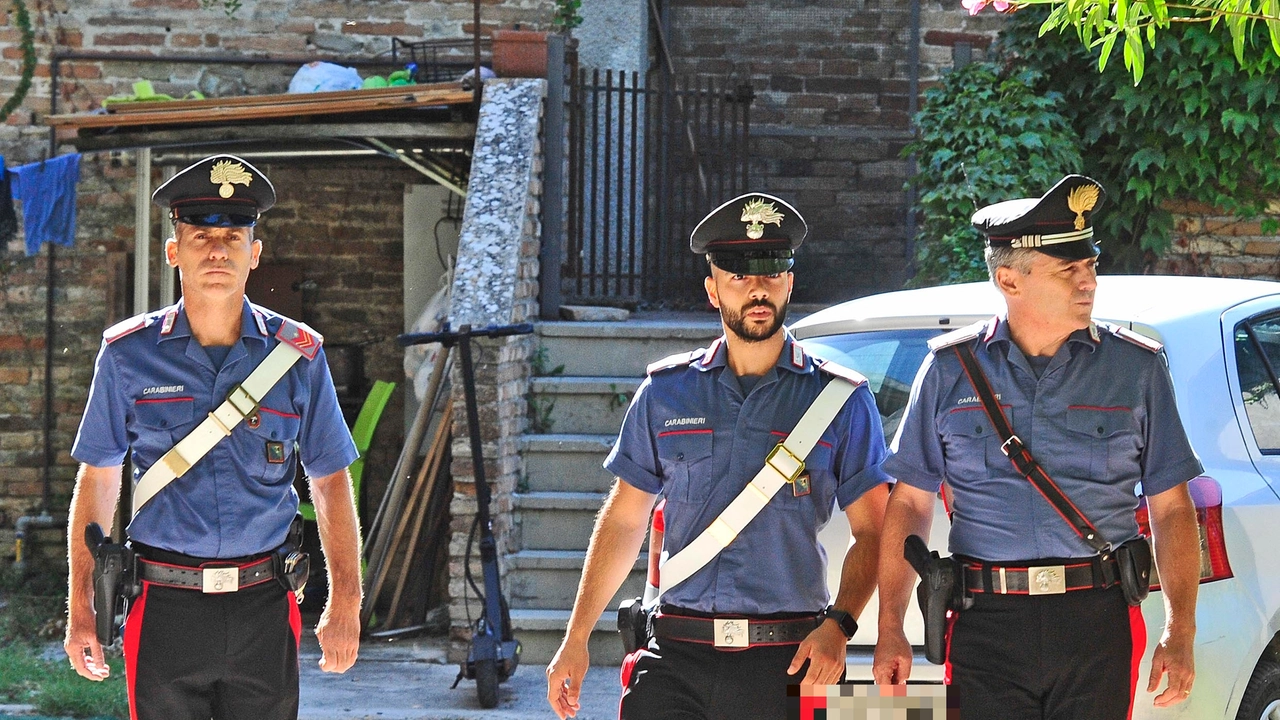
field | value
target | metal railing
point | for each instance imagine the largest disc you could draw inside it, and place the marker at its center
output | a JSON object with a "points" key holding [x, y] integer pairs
{"points": [[648, 157]]}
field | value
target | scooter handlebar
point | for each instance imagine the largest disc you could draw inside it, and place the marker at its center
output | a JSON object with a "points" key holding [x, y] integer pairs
{"points": [[449, 336]]}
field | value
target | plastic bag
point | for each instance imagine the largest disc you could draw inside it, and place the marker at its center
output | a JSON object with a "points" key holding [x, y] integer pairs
{"points": [[420, 359], [324, 77]]}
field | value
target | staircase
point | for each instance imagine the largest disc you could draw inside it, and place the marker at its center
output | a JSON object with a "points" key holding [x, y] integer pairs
{"points": [[585, 377]]}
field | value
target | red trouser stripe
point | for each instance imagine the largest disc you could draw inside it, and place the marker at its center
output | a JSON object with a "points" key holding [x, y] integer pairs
{"points": [[1138, 633], [951, 624], [628, 665], [295, 618], [132, 634]]}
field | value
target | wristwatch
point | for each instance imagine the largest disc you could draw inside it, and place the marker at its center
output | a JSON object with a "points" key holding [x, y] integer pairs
{"points": [[847, 624]]}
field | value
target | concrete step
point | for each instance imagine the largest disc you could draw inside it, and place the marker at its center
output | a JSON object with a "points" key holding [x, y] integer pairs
{"points": [[549, 578], [625, 348], [555, 520], [566, 462], [540, 633], [581, 404]]}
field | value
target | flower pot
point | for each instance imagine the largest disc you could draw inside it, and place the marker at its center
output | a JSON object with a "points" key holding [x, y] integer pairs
{"points": [[520, 53]]}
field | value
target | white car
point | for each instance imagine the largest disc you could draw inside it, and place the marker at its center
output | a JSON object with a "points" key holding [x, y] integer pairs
{"points": [[1222, 339]]}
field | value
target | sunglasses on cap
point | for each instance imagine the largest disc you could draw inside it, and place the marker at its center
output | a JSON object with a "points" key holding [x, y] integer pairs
{"points": [[219, 219]]}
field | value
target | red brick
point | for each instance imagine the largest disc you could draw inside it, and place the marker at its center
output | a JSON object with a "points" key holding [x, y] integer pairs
{"points": [[14, 376], [127, 39], [397, 29], [185, 40], [949, 39]]}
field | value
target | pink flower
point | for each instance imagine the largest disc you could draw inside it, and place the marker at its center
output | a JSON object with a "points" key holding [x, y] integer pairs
{"points": [[975, 6]]}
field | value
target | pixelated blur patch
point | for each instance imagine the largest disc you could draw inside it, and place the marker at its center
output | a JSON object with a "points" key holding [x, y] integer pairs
{"points": [[859, 702]]}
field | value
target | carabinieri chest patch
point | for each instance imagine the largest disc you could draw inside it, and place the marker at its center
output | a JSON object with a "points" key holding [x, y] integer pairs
{"points": [[275, 452]]}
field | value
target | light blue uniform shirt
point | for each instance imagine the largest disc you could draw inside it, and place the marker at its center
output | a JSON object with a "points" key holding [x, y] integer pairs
{"points": [[1101, 420], [153, 383], [692, 436]]}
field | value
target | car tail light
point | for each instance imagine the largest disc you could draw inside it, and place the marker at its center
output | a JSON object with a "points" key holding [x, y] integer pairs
{"points": [[1206, 493]]}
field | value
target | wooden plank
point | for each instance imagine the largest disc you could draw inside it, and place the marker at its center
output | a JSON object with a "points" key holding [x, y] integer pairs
{"points": [[220, 114], [307, 132], [271, 99]]}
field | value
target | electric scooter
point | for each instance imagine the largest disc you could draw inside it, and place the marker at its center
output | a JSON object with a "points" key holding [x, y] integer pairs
{"points": [[494, 653]]}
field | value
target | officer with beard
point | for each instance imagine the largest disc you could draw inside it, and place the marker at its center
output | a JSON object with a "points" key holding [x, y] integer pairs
{"points": [[697, 432]]}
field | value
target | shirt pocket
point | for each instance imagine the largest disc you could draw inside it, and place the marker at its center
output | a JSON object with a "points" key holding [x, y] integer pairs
{"points": [[1111, 435], [273, 441], [685, 456], [815, 487], [162, 423], [971, 444]]}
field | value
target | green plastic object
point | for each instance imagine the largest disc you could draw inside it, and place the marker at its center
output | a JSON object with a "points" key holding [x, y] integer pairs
{"points": [[370, 413]]}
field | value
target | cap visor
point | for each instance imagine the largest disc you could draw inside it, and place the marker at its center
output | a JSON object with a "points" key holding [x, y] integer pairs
{"points": [[1081, 250], [742, 265]]}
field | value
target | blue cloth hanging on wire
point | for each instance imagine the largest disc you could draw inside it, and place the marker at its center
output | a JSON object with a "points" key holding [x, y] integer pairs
{"points": [[47, 190]]}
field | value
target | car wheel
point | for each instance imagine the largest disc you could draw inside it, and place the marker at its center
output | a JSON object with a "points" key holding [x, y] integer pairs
{"points": [[1261, 699]]}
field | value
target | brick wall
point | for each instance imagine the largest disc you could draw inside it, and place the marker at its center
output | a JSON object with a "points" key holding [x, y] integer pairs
{"points": [[830, 117], [1208, 242]]}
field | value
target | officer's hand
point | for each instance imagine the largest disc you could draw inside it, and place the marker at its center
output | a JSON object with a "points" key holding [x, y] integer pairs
{"points": [[564, 678], [339, 634], [892, 664], [824, 648], [1174, 655], [82, 636]]}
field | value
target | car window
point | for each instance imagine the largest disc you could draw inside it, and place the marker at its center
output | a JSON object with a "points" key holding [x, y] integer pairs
{"points": [[1257, 342], [888, 358]]}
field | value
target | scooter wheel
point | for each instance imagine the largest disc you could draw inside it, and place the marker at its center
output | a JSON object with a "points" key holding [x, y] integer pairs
{"points": [[487, 683]]}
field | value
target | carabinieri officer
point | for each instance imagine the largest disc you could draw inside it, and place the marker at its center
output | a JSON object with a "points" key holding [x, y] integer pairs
{"points": [[216, 629], [1049, 633], [755, 617]]}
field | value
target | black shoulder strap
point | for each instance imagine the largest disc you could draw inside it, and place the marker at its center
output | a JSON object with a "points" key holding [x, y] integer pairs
{"points": [[1021, 458]]}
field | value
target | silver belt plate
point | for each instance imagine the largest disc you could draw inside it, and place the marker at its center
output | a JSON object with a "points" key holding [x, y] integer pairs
{"points": [[732, 632], [1046, 580], [220, 579]]}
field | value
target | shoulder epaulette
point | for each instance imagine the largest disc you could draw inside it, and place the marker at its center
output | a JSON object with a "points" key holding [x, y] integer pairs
{"points": [[127, 327], [840, 371], [674, 361], [959, 335], [302, 338], [1128, 335]]}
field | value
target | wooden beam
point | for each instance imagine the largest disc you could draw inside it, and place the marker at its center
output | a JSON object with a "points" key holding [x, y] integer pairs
{"points": [[426, 132], [220, 114], [124, 108]]}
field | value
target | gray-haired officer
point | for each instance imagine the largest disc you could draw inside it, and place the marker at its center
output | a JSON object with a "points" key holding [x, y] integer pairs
{"points": [[748, 617], [1049, 633], [213, 398]]}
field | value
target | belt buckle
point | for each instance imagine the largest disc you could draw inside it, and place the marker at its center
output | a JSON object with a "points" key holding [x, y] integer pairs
{"points": [[218, 580], [785, 463], [732, 632], [1046, 580]]}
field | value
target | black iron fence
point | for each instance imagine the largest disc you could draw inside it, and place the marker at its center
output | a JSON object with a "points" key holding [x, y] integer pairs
{"points": [[648, 157]]}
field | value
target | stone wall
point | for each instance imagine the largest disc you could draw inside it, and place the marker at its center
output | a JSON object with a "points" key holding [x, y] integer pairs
{"points": [[495, 284], [830, 119]]}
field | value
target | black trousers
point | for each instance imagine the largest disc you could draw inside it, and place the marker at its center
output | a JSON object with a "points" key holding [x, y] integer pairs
{"points": [[1072, 656], [675, 680], [192, 656]]}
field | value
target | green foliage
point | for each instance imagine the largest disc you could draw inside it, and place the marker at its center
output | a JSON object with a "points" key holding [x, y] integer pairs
{"points": [[27, 46], [1202, 126], [567, 15], [985, 136], [1102, 24], [228, 6]]}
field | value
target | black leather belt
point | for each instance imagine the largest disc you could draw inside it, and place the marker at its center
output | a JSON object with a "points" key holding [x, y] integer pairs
{"points": [[734, 632], [211, 577], [1047, 579]]}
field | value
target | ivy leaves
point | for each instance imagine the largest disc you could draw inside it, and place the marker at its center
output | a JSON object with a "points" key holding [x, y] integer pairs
{"points": [[1202, 126], [984, 137]]}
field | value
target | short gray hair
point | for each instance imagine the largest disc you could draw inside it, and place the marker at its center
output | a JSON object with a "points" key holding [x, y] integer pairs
{"points": [[1019, 259]]}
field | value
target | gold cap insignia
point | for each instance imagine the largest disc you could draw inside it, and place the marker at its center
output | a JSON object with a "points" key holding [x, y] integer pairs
{"points": [[226, 172], [1081, 200], [758, 212]]}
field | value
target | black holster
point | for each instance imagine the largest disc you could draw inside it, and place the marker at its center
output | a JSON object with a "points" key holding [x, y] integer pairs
{"points": [[115, 581], [1134, 560], [941, 590], [633, 625], [292, 565]]}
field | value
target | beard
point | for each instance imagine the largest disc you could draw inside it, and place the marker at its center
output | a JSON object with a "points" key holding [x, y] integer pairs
{"points": [[736, 321]]}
